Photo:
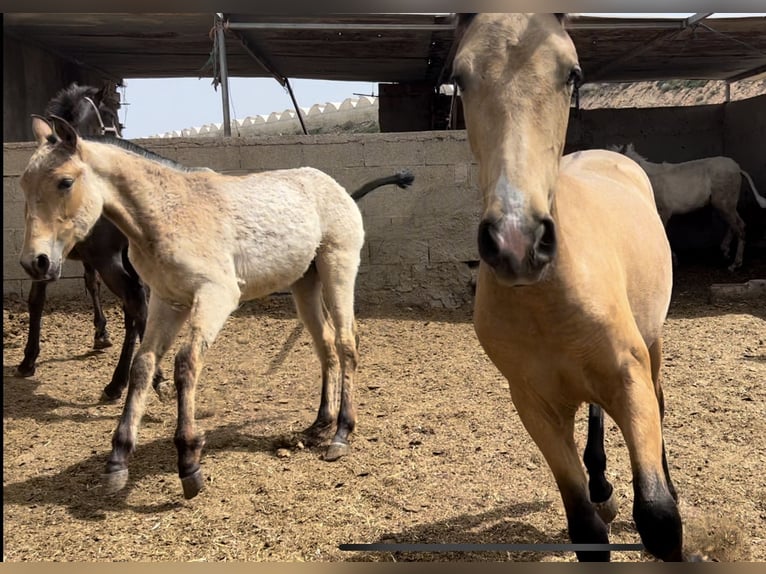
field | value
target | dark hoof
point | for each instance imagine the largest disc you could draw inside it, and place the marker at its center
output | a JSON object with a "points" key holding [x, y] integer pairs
{"points": [[24, 371], [607, 510], [192, 484], [318, 433], [109, 398], [101, 342], [114, 482], [336, 450], [165, 391]]}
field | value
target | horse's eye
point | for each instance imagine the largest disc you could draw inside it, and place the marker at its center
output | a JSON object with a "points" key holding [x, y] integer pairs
{"points": [[457, 79], [575, 76], [66, 184]]}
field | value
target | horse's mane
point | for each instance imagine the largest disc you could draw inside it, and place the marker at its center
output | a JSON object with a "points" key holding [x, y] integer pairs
{"points": [[143, 152], [68, 103]]}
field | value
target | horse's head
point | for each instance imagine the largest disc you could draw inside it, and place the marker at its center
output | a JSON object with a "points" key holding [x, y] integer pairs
{"points": [[516, 74], [90, 110], [61, 207]]}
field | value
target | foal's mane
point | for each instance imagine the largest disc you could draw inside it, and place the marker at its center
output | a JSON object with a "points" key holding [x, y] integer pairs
{"points": [[143, 152]]}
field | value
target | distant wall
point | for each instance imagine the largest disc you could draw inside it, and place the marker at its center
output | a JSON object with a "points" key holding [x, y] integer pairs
{"points": [[31, 77], [420, 242]]}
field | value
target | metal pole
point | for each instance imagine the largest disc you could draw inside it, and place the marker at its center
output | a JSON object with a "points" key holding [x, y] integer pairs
{"points": [[295, 104], [224, 72], [727, 92]]}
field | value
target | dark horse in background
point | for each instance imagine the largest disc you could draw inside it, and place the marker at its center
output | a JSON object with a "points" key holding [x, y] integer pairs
{"points": [[103, 252]]}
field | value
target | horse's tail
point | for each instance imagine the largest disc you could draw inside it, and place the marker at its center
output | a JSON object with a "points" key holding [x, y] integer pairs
{"points": [[403, 179], [758, 197]]}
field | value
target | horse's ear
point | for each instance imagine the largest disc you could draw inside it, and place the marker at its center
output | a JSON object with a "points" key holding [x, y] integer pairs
{"points": [[562, 17], [65, 132], [42, 129]]}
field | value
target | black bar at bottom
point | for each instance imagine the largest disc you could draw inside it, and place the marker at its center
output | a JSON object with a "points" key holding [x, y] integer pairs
{"points": [[488, 547]]}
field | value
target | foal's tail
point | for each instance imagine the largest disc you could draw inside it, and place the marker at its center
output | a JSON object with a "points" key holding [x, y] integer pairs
{"points": [[403, 179], [758, 197]]}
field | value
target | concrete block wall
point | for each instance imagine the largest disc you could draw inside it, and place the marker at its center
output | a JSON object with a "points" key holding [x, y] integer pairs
{"points": [[421, 242]]}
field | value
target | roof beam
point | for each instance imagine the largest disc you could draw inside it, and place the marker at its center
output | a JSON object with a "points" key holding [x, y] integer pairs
{"points": [[751, 74], [336, 26], [696, 18]]}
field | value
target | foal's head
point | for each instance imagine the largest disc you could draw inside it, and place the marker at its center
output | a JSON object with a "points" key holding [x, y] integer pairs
{"points": [[516, 74], [61, 207]]}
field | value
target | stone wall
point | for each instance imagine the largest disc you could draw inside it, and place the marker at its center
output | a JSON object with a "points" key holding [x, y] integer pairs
{"points": [[420, 242]]}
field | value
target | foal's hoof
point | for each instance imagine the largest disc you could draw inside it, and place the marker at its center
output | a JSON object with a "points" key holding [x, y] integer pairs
{"points": [[336, 450], [192, 484], [102, 342], [607, 510], [165, 391], [23, 371], [114, 482]]}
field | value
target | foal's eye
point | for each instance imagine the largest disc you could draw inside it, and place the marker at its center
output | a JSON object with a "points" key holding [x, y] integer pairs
{"points": [[575, 76], [66, 184]]}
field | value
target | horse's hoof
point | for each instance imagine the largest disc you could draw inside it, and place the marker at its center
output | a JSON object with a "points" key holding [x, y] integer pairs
{"points": [[192, 484], [165, 391], [108, 399], [114, 482], [336, 450], [318, 433], [101, 343], [607, 510], [24, 371]]}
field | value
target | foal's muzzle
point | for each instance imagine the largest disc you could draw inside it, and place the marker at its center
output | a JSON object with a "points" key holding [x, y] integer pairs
{"points": [[40, 268], [517, 253]]}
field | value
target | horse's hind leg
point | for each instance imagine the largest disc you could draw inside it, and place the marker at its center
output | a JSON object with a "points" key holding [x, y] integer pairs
{"points": [[163, 324], [551, 426], [307, 294], [594, 457], [737, 228], [93, 286], [337, 271], [35, 305], [636, 410]]}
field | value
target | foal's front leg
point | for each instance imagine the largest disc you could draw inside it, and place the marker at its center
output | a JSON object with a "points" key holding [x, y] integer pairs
{"points": [[212, 305], [163, 324]]}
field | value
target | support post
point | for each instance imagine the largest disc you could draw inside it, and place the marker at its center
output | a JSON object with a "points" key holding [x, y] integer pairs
{"points": [[224, 72]]}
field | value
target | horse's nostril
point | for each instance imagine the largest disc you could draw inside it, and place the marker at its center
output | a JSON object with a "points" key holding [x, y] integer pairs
{"points": [[42, 263], [488, 248], [545, 246]]}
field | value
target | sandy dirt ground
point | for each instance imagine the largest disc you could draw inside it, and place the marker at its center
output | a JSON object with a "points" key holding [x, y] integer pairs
{"points": [[439, 454]]}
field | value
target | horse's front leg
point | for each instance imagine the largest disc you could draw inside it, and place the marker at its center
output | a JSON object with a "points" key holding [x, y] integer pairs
{"points": [[163, 324], [35, 305], [212, 305], [93, 287]]}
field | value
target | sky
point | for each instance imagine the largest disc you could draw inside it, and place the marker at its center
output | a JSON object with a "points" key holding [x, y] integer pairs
{"points": [[159, 105]]}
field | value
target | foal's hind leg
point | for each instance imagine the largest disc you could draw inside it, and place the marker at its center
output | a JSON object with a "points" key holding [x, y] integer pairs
{"points": [[93, 286], [307, 294], [35, 305], [594, 457], [163, 324], [636, 410], [337, 271], [550, 423]]}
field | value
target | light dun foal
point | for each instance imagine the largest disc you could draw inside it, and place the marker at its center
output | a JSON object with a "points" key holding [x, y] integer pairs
{"points": [[204, 244], [575, 275]]}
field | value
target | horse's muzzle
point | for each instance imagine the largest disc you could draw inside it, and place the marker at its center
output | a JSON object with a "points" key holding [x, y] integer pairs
{"points": [[516, 253], [40, 267]]}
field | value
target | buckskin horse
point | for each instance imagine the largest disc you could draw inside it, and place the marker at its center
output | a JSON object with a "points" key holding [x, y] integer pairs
{"points": [[206, 243], [575, 275]]}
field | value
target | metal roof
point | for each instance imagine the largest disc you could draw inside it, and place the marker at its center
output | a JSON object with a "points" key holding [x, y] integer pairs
{"points": [[380, 47]]}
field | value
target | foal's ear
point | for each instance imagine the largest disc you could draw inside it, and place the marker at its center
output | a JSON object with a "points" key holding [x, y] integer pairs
{"points": [[42, 129], [65, 132]]}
